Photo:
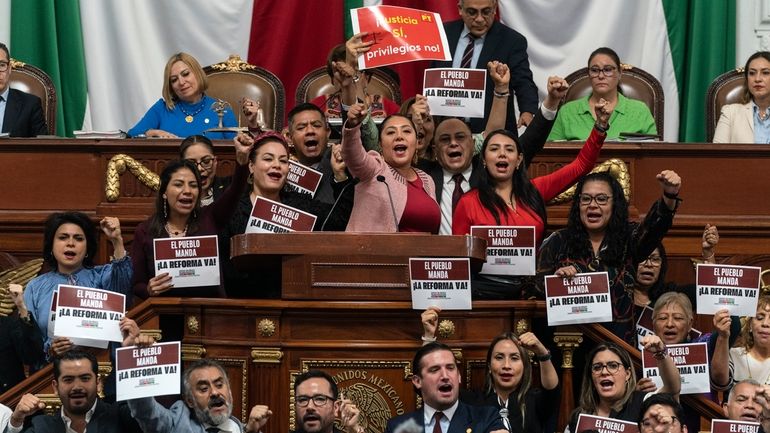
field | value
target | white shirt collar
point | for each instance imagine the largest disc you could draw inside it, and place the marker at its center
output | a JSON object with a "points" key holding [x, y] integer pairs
{"points": [[68, 421], [466, 31], [448, 413], [466, 174], [227, 426]]}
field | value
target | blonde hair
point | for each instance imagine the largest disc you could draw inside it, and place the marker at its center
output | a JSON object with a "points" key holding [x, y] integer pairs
{"points": [[168, 93], [747, 338], [674, 298]]}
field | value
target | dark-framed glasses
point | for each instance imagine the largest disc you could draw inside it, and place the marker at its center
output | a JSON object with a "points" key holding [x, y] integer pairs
{"points": [[205, 163], [486, 12], [612, 367], [4, 66], [601, 199], [649, 424], [653, 260], [318, 400], [608, 71]]}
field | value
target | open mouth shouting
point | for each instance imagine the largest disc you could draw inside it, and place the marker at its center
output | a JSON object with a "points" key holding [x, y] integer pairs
{"points": [[606, 386], [646, 276], [217, 404], [400, 150], [313, 147], [275, 176], [594, 216]]}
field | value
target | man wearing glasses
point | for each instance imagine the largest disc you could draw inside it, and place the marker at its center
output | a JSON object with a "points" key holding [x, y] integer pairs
{"points": [[316, 405], [661, 414], [21, 114], [468, 38]]}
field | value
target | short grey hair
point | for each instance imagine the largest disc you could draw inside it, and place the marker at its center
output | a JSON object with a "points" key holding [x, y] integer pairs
{"points": [[197, 365], [732, 390]]}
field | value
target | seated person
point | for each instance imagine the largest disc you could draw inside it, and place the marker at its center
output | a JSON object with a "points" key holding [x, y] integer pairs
{"points": [[749, 122], [23, 112], [184, 109], [576, 118]]}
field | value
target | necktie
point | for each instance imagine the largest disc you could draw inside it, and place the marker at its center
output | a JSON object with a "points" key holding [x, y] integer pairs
{"points": [[437, 419], [468, 53], [458, 191]]}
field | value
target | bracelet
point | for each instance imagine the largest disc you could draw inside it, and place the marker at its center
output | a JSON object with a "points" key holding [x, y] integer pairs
{"points": [[543, 358], [428, 339], [601, 128], [671, 196], [709, 257], [660, 355], [501, 95]]}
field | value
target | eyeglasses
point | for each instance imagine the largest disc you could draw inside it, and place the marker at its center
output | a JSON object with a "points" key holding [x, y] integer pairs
{"points": [[486, 12], [612, 367], [4, 66], [653, 260], [205, 163], [601, 199], [608, 71], [665, 421], [318, 400]]}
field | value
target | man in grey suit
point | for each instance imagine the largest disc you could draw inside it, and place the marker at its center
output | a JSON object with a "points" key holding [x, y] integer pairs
{"points": [[21, 114], [437, 379], [75, 382]]}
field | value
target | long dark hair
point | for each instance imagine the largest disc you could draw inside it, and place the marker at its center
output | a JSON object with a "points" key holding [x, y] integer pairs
{"points": [[589, 397], [56, 220], [615, 235], [660, 286], [526, 374], [523, 189], [747, 97], [159, 219], [193, 140]]}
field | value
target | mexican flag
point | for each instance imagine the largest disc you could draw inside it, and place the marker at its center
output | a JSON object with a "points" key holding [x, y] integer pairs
{"points": [[106, 57]]}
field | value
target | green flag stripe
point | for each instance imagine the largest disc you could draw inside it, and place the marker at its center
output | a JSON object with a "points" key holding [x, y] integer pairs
{"points": [[350, 4]]}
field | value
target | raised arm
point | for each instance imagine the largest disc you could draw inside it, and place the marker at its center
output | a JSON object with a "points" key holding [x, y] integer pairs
{"points": [[669, 374]]}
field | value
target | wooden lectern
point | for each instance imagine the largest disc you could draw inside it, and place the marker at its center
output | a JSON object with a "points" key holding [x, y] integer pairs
{"points": [[326, 265]]}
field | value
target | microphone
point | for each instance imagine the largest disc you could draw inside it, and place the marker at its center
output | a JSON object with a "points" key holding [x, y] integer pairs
{"points": [[504, 415], [353, 181], [381, 178]]}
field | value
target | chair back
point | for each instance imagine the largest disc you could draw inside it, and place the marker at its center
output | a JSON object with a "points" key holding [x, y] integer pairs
{"points": [[727, 88], [234, 79], [634, 83], [31, 79], [384, 82]]}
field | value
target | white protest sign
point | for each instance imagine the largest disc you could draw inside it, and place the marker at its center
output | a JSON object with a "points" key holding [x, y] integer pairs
{"points": [[584, 298], [692, 361], [147, 371], [455, 92], [510, 249], [605, 425], [268, 216], [729, 426], [303, 178], [735, 288], [191, 261], [443, 283], [89, 317]]}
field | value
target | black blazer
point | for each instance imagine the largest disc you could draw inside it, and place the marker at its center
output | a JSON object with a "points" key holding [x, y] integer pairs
{"points": [[23, 115], [505, 45], [532, 142], [20, 344], [466, 418], [108, 418]]}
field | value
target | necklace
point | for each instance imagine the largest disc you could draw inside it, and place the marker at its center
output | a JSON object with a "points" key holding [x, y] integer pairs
{"points": [[189, 116], [176, 233]]}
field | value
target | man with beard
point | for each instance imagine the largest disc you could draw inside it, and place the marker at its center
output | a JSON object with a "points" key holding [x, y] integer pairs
{"points": [[317, 405], [437, 380], [75, 382], [748, 401], [207, 404]]}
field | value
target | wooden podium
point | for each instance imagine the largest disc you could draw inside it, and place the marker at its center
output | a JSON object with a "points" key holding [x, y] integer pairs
{"points": [[347, 266]]}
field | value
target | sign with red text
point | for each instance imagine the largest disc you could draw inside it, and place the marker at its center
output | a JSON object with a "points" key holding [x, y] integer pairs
{"points": [[584, 298], [510, 249], [605, 425], [191, 261], [268, 216], [691, 359], [730, 426], [303, 178], [52, 313], [400, 35], [455, 92], [443, 283], [91, 314], [147, 371], [645, 326], [78, 341], [735, 288]]}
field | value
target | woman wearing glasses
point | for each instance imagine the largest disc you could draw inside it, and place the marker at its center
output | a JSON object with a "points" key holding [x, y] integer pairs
{"points": [[609, 381], [599, 238], [576, 118], [199, 151]]}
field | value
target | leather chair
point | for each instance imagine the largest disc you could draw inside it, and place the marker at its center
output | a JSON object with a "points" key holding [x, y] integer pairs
{"points": [[33, 80], [634, 83], [384, 82], [727, 88], [234, 79]]}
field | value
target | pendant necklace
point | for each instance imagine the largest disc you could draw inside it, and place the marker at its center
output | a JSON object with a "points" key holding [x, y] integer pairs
{"points": [[189, 116], [176, 233]]}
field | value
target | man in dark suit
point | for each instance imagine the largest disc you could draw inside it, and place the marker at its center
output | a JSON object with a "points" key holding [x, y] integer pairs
{"points": [[492, 40], [75, 382], [317, 404], [21, 113], [454, 147], [437, 379]]}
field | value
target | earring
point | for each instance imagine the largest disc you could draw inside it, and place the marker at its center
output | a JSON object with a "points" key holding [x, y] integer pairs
{"points": [[165, 209], [250, 179]]}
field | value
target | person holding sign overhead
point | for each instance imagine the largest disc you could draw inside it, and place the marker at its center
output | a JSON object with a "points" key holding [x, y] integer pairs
{"points": [[178, 214], [393, 196], [599, 238], [609, 381], [69, 248]]}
